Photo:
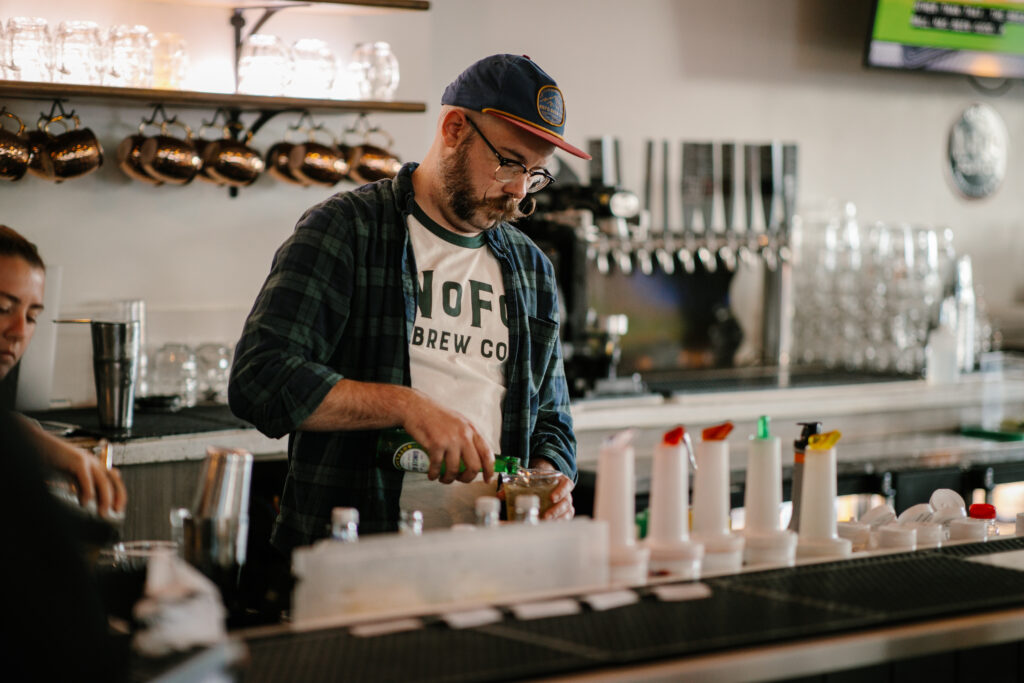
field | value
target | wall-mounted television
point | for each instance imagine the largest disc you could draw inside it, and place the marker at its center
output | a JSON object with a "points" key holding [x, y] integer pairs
{"points": [[956, 36]]}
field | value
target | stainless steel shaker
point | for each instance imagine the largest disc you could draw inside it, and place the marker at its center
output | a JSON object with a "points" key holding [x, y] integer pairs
{"points": [[115, 358], [214, 533]]}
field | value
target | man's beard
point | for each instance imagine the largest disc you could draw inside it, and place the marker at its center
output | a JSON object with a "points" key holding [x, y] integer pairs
{"points": [[459, 194]]}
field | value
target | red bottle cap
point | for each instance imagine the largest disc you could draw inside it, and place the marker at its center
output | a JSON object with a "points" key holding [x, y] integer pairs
{"points": [[673, 437], [717, 433], [982, 511]]}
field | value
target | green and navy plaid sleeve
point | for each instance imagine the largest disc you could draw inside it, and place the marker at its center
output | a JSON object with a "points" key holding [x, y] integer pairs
{"points": [[292, 348]]}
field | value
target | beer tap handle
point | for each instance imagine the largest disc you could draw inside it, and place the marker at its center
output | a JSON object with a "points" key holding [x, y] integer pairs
{"points": [[728, 184], [789, 158], [769, 184]]}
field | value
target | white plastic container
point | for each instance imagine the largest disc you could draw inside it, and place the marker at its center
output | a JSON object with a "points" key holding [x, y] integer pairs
{"points": [[614, 504], [897, 537], [766, 543], [818, 532], [668, 532], [388, 575], [968, 529], [857, 533], [723, 550], [929, 534]]}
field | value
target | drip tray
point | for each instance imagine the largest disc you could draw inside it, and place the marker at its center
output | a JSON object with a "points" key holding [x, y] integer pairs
{"points": [[743, 610], [198, 419]]}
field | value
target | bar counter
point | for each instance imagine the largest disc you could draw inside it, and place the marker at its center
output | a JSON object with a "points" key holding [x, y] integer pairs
{"points": [[937, 614], [949, 614]]}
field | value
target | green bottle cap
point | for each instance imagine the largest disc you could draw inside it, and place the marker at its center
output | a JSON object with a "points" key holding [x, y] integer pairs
{"points": [[763, 430]]}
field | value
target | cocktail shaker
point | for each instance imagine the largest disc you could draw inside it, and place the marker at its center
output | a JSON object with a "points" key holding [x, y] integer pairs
{"points": [[115, 356], [214, 534]]}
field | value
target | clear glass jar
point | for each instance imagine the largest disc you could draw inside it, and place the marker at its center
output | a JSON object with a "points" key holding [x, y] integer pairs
{"points": [[530, 481], [173, 372], [28, 51], [314, 68], [264, 65], [79, 53], [375, 69], [130, 56]]}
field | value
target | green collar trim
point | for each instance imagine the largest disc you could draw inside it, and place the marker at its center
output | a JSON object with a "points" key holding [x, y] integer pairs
{"points": [[465, 241]]}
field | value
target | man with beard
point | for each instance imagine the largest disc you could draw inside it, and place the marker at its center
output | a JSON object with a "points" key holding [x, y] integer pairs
{"points": [[414, 303]]}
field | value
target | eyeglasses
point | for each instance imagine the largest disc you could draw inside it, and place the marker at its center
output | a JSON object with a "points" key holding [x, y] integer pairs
{"points": [[509, 169]]}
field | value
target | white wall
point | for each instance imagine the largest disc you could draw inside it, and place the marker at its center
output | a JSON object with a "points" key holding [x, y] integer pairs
{"points": [[678, 69]]}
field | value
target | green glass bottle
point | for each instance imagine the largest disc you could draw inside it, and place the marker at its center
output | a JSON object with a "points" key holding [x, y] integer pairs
{"points": [[395, 448]]}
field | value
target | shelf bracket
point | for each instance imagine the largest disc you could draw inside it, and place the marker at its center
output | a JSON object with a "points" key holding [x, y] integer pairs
{"points": [[238, 22]]}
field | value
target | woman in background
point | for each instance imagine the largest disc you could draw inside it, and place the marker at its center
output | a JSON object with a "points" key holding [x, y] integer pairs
{"points": [[22, 282]]}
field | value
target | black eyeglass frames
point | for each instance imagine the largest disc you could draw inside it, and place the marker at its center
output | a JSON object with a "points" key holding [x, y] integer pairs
{"points": [[509, 169]]}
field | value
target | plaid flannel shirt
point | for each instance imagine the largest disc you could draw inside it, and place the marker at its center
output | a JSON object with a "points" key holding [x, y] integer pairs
{"points": [[340, 302]]}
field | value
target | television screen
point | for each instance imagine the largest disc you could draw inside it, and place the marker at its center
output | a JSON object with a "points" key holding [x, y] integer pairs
{"points": [[957, 36]]}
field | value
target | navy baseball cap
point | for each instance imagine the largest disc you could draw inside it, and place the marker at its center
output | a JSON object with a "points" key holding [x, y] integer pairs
{"points": [[514, 88]]}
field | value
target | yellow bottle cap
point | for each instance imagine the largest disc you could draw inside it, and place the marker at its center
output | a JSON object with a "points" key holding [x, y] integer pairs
{"points": [[823, 442]]}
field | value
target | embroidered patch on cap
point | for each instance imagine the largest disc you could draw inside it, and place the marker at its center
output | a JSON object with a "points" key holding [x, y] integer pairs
{"points": [[550, 105]]}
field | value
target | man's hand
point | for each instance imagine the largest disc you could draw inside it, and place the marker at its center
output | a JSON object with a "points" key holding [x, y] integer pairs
{"points": [[449, 438], [561, 497]]}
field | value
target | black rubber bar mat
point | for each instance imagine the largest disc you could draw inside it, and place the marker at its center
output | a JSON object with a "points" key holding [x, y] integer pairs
{"points": [[743, 610], [149, 424], [435, 653]]}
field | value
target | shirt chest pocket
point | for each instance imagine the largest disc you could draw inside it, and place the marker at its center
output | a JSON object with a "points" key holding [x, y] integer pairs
{"points": [[543, 338]]}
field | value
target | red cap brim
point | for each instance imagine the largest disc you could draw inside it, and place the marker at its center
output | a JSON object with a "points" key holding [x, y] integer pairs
{"points": [[541, 133]]}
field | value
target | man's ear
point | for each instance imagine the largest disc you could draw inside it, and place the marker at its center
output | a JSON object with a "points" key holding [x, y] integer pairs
{"points": [[453, 127]]}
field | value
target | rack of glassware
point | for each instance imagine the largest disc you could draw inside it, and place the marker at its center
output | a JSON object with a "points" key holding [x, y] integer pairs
{"points": [[129, 63]]}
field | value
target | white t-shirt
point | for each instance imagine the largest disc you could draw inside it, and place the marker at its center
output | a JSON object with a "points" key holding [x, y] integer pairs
{"points": [[457, 353]]}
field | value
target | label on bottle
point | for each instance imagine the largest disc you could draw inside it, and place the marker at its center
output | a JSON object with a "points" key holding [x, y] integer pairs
{"points": [[402, 452], [411, 458]]}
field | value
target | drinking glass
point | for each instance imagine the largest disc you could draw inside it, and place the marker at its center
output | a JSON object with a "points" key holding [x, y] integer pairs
{"points": [[815, 232], [130, 56], [170, 61], [29, 49], [314, 68], [376, 70], [79, 53], [264, 65]]}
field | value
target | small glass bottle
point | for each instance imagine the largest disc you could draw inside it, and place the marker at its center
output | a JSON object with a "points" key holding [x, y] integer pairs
{"points": [[345, 525], [528, 508], [986, 512], [411, 523], [488, 511]]}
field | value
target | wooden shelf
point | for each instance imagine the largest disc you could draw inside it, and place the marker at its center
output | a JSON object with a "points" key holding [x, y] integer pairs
{"points": [[98, 94], [344, 6], [383, 4]]}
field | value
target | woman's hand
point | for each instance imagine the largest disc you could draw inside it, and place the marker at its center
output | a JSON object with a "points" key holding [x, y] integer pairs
{"points": [[97, 485]]}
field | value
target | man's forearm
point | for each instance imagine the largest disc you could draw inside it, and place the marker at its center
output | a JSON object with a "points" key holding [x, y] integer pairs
{"points": [[360, 405]]}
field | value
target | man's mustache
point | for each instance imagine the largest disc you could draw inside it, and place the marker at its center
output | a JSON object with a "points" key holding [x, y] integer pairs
{"points": [[514, 210], [527, 207]]}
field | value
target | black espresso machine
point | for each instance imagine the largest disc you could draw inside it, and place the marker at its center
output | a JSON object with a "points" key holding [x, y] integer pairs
{"points": [[644, 303]]}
